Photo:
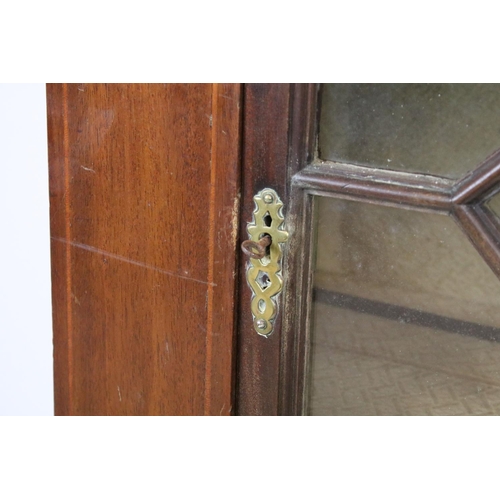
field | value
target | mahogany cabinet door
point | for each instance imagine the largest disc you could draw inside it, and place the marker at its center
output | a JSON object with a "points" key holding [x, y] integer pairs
{"points": [[144, 190], [397, 312]]}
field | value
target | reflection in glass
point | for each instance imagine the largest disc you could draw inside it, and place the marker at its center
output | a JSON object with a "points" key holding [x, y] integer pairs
{"points": [[406, 316], [445, 129]]}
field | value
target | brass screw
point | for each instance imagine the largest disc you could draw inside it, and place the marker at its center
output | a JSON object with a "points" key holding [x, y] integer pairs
{"points": [[261, 324], [268, 198]]}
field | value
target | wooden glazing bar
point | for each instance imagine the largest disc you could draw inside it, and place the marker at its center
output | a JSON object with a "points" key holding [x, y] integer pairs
{"points": [[392, 187], [478, 183], [490, 220], [478, 226]]}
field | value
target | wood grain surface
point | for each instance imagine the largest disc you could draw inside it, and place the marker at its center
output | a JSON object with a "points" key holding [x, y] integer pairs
{"points": [[144, 186]]}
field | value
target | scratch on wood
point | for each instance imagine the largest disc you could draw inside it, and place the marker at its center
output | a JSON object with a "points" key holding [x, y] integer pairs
{"points": [[119, 393], [128, 261], [234, 219], [88, 169], [75, 298]]}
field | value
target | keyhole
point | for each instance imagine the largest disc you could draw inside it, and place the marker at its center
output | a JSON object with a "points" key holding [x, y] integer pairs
{"points": [[267, 219], [263, 280]]}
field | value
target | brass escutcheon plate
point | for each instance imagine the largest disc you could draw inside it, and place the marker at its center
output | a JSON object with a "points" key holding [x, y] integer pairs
{"points": [[264, 274]]}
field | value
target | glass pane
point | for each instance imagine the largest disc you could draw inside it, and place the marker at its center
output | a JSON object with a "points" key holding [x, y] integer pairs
{"points": [[406, 316], [494, 204], [444, 129]]}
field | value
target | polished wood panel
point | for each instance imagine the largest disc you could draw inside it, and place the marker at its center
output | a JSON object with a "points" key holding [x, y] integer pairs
{"points": [[144, 185]]}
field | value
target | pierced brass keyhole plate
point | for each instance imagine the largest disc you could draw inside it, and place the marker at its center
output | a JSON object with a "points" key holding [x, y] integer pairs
{"points": [[264, 273]]}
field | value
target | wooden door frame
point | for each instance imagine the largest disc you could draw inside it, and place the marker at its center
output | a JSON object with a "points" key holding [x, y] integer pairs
{"points": [[278, 141]]}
